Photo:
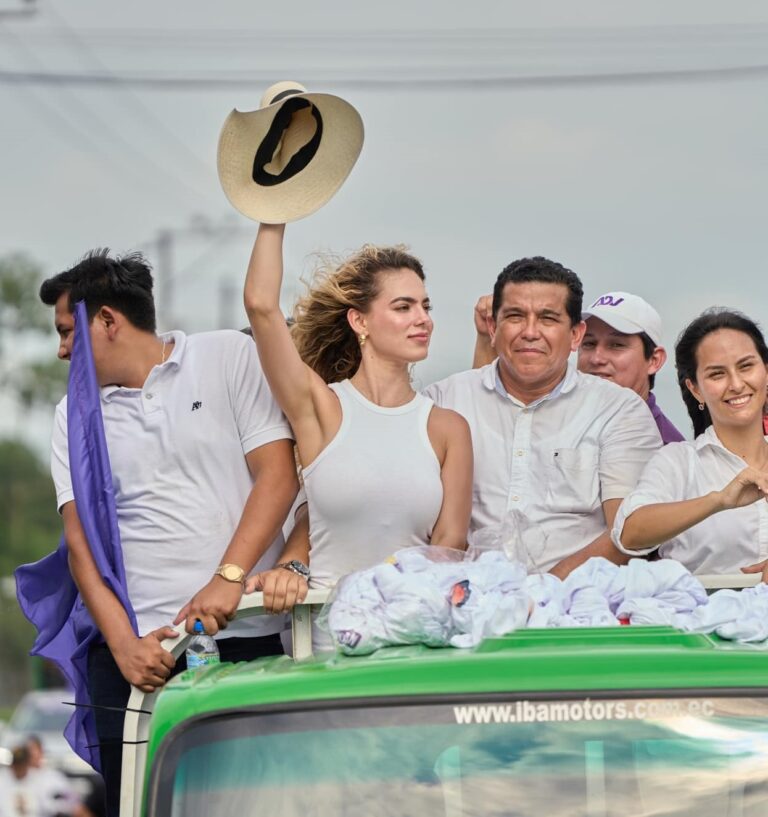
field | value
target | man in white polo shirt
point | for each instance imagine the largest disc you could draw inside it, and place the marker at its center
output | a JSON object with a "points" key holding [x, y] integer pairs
{"points": [[203, 475], [558, 446]]}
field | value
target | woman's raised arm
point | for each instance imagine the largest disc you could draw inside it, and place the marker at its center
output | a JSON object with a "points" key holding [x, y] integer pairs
{"points": [[288, 376], [308, 403]]}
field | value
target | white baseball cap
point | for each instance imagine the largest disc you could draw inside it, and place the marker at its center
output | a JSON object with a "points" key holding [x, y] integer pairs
{"points": [[626, 313]]}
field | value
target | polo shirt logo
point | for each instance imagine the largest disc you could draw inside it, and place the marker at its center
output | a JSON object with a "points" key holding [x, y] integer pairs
{"points": [[197, 404], [608, 300]]}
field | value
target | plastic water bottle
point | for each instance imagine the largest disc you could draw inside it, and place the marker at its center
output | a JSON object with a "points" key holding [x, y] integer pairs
{"points": [[201, 650]]}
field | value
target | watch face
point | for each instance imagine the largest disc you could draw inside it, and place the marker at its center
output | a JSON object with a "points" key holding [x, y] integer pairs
{"points": [[231, 573], [299, 567]]}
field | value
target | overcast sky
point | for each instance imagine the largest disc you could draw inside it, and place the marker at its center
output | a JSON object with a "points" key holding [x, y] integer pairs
{"points": [[625, 140]]}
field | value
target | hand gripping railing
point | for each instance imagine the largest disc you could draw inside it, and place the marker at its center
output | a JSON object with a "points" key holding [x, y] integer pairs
{"points": [[141, 704]]}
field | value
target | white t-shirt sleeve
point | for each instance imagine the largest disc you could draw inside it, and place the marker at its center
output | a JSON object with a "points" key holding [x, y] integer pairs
{"points": [[258, 417], [664, 479], [433, 393], [630, 439], [62, 479]]}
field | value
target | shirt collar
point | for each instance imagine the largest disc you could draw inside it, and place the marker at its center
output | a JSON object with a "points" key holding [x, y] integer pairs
{"points": [[491, 379], [173, 362], [710, 438]]}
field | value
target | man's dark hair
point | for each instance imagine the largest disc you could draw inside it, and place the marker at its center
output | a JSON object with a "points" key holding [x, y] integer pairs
{"points": [[123, 283], [649, 347], [541, 270]]}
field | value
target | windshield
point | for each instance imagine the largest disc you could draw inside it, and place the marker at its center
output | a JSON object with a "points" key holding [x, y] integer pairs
{"points": [[44, 714], [703, 757]]}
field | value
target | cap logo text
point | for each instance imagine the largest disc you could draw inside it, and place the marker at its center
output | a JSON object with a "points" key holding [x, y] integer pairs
{"points": [[608, 300]]}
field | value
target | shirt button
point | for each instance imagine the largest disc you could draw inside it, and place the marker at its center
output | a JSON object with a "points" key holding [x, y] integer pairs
{"points": [[515, 497], [150, 395], [519, 452]]}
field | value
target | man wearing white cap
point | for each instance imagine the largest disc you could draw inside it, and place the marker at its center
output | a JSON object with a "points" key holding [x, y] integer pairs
{"points": [[623, 344]]}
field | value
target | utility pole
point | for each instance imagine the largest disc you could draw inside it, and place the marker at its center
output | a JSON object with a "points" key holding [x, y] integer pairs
{"points": [[166, 279], [165, 282], [227, 295]]}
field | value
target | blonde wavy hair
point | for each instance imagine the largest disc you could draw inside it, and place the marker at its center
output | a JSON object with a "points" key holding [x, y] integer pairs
{"points": [[321, 331]]}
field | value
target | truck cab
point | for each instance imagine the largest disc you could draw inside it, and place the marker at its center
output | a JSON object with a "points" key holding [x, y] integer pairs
{"points": [[593, 722]]}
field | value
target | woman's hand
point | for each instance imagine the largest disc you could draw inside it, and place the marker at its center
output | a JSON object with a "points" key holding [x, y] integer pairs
{"points": [[282, 588], [760, 567], [745, 488]]}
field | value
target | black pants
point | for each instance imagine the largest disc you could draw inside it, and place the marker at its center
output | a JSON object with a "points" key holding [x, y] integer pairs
{"points": [[107, 687]]}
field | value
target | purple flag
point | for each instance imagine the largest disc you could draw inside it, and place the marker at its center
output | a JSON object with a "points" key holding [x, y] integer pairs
{"points": [[46, 591]]}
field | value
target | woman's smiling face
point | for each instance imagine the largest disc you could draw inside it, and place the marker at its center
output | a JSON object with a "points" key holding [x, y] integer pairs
{"points": [[731, 378]]}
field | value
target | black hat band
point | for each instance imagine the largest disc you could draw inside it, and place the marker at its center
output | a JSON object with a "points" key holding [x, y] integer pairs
{"points": [[266, 150]]}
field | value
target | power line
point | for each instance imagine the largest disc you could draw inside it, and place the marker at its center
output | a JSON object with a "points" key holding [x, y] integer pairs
{"points": [[409, 83], [84, 51], [83, 114], [348, 38]]}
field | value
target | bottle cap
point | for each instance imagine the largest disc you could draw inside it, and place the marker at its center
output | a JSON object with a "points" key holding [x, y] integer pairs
{"points": [[198, 628]]}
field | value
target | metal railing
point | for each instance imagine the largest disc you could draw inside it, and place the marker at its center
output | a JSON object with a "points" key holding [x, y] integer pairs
{"points": [[729, 581]]}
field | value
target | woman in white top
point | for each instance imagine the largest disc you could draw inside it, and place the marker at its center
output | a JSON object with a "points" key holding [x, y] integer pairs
{"points": [[704, 502], [383, 467]]}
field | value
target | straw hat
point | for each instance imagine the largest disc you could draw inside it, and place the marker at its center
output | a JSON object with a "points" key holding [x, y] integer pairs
{"points": [[285, 160]]}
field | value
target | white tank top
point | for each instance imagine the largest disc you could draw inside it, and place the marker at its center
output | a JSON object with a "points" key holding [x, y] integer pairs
{"points": [[375, 488]]}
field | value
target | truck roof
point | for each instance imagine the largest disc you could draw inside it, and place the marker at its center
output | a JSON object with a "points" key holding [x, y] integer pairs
{"points": [[590, 660]]}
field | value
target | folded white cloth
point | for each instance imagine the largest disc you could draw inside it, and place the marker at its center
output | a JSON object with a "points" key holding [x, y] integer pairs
{"points": [[736, 615], [439, 597], [417, 600]]}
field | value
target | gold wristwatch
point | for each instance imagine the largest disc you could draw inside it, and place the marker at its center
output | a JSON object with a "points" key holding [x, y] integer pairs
{"points": [[232, 573]]}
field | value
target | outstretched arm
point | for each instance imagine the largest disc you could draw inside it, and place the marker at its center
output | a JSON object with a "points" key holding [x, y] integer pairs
{"points": [[651, 525]]}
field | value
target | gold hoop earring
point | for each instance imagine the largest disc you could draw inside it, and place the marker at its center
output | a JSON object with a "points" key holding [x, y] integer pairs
{"points": [[701, 406], [362, 338]]}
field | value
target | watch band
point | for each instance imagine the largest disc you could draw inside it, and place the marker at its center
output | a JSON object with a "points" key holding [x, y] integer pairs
{"points": [[297, 567]]}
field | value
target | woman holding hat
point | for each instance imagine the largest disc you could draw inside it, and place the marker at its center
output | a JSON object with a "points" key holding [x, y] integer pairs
{"points": [[704, 502], [383, 467]]}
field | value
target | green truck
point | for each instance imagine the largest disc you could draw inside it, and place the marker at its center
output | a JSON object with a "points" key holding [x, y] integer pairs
{"points": [[562, 723]]}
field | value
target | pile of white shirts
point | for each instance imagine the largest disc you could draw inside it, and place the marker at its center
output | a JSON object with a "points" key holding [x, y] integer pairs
{"points": [[415, 600], [442, 598]]}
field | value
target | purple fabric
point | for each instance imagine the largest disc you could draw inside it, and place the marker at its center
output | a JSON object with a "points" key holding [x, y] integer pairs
{"points": [[669, 434], [46, 591]]}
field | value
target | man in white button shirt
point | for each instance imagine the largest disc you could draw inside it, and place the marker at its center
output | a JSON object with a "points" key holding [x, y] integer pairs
{"points": [[560, 447], [203, 474]]}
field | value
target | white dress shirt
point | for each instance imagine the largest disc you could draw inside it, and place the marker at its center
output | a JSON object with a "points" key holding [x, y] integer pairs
{"points": [[722, 543], [555, 460]]}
